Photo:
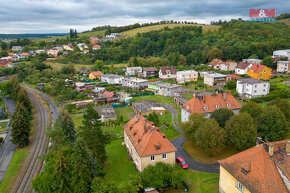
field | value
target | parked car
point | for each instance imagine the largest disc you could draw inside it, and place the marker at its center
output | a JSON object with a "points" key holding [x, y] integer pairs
{"points": [[181, 162]]}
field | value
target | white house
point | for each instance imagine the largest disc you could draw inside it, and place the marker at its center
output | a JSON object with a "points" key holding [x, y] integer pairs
{"points": [[186, 76], [167, 73], [98, 89], [112, 78], [228, 66], [242, 68], [17, 48], [283, 66], [281, 53], [214, 79], [251, 88], [135, 83], [253, 61], [130, 71]]}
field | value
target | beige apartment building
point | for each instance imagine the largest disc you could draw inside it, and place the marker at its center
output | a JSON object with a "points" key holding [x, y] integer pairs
{"points": [[146, 144]]}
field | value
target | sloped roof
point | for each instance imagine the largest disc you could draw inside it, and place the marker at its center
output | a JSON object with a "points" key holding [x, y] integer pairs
{"points": [[164, 70], [110, 94], [262, 174], [209, 103], [215, 62], [149, 69], [257, 67], [97, 73], [243, 65], [145, 137]]}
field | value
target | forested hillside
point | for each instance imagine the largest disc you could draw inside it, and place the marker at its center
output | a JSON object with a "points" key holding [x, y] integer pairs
{"points": [[235, 40]]}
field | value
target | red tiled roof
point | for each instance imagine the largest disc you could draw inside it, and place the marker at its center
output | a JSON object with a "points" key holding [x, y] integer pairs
{"points": [[234, 76], [145, 137], [257, 67], [110, 94], [97, 73], [96, 46], [10, 54], [209, 103], [25, 54], [215, 62], [262, 174]]}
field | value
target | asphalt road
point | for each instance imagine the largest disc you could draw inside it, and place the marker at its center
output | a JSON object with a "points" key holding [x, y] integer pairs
{"points": [[178, 143], [8, 148]]}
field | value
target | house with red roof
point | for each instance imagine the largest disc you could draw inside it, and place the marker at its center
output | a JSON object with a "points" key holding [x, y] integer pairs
{"points": [[5, 61], [259, 71], [110, 94], [215, 63], [242, 68], [96, 47], [146, 144], [207, 104], [263, 168], [95, 75]]}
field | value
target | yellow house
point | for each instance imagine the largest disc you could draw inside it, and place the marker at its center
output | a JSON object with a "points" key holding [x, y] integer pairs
{"points": [[260, 169], [95, 75], [146, 144], [259, 71]]}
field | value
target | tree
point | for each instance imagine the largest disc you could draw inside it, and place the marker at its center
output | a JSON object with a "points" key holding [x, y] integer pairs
{"points": [[20, 126], [210, 137], [3, 53], [268, 61], [190, 127], [92, 136], [162, 175], [231, 85], [214, 53], [253, 56], [272, 124], [3, 114], [254, 109], [22, 97], [4, 45], [283, 105], [68, 128], [70, 107], [241, 131], [222, 116]]}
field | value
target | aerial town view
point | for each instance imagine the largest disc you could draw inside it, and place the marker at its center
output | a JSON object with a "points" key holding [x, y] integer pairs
{"points": [[124, 96]]}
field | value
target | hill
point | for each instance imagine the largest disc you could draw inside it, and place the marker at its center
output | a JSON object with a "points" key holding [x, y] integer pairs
{"points": [[30, 36], [286, 21], [85, 34], [133, 32]]}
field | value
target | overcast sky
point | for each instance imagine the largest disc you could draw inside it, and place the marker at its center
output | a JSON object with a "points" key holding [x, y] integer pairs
{"points": [[45, 16]]}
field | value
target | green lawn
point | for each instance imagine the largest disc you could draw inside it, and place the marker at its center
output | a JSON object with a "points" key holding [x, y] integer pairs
{"points": [[118, 168], [167, 126], [201, 156], [199, 182], [15, 165], [126, 112], [77, 121]]}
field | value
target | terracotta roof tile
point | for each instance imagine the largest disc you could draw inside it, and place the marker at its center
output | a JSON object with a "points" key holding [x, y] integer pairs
{"points": [[209, 103], [260, 170], [97, 73], [145, 137], [257, 67], [243, 65], [164, 70], [215, 62]]}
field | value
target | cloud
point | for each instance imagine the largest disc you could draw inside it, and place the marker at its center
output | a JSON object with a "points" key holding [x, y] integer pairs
{"points": [[42, 16]]}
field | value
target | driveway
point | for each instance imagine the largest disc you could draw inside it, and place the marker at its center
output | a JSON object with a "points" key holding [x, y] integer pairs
{"points": [[178, 143]]}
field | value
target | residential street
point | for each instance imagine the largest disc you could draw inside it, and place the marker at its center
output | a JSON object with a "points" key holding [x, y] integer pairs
{"points": [[178, 143], [8, 148]]}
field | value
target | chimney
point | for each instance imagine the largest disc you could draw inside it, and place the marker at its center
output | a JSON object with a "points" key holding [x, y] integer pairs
{"points": [[258, 141], [271, 149]]}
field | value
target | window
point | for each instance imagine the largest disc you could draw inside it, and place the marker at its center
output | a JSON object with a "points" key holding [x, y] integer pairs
{"points": [[205, 108], [255, 91], [152, 158], [240, 186], [264, 90], [264, 85], [217, 107], [164, 156], [255, 86], [229, 105]]}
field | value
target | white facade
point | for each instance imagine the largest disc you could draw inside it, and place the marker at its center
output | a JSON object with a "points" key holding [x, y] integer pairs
{"points": [[253, 61], [169, 90], [112, 78], [281, 53], [186, 76], [228, 66], [135, 83], [241, 71], [283, 66], [251, 88], [133, 70], [213, 79]]}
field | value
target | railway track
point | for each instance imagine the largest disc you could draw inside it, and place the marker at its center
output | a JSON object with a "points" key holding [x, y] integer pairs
{"points": [[32, 165]]}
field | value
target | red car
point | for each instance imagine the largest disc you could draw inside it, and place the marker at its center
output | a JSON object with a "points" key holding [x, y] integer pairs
{"points": [[181, 161]]}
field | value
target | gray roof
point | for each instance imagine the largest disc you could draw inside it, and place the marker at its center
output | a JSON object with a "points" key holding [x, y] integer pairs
{"points": [[182, 99], [251, 81], [107, 111], [145, 105]]}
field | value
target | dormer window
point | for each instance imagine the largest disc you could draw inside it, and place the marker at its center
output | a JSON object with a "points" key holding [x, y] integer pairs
{"points": [[229, 105], [205, 108], [217, 107], [187, 107]]}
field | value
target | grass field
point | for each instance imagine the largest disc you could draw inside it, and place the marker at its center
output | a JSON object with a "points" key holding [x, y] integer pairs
{"points": [[57, 65], [86, 34], [286, 21], [133, 32], [118, 168], [201, 156]]}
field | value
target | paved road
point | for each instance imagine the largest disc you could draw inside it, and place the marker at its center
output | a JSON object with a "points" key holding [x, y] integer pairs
{"points": [[8, 148], [178, 143]]}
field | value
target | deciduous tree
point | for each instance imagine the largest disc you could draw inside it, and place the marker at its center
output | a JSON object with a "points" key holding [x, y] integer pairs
{"points": [[222, 116]]}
